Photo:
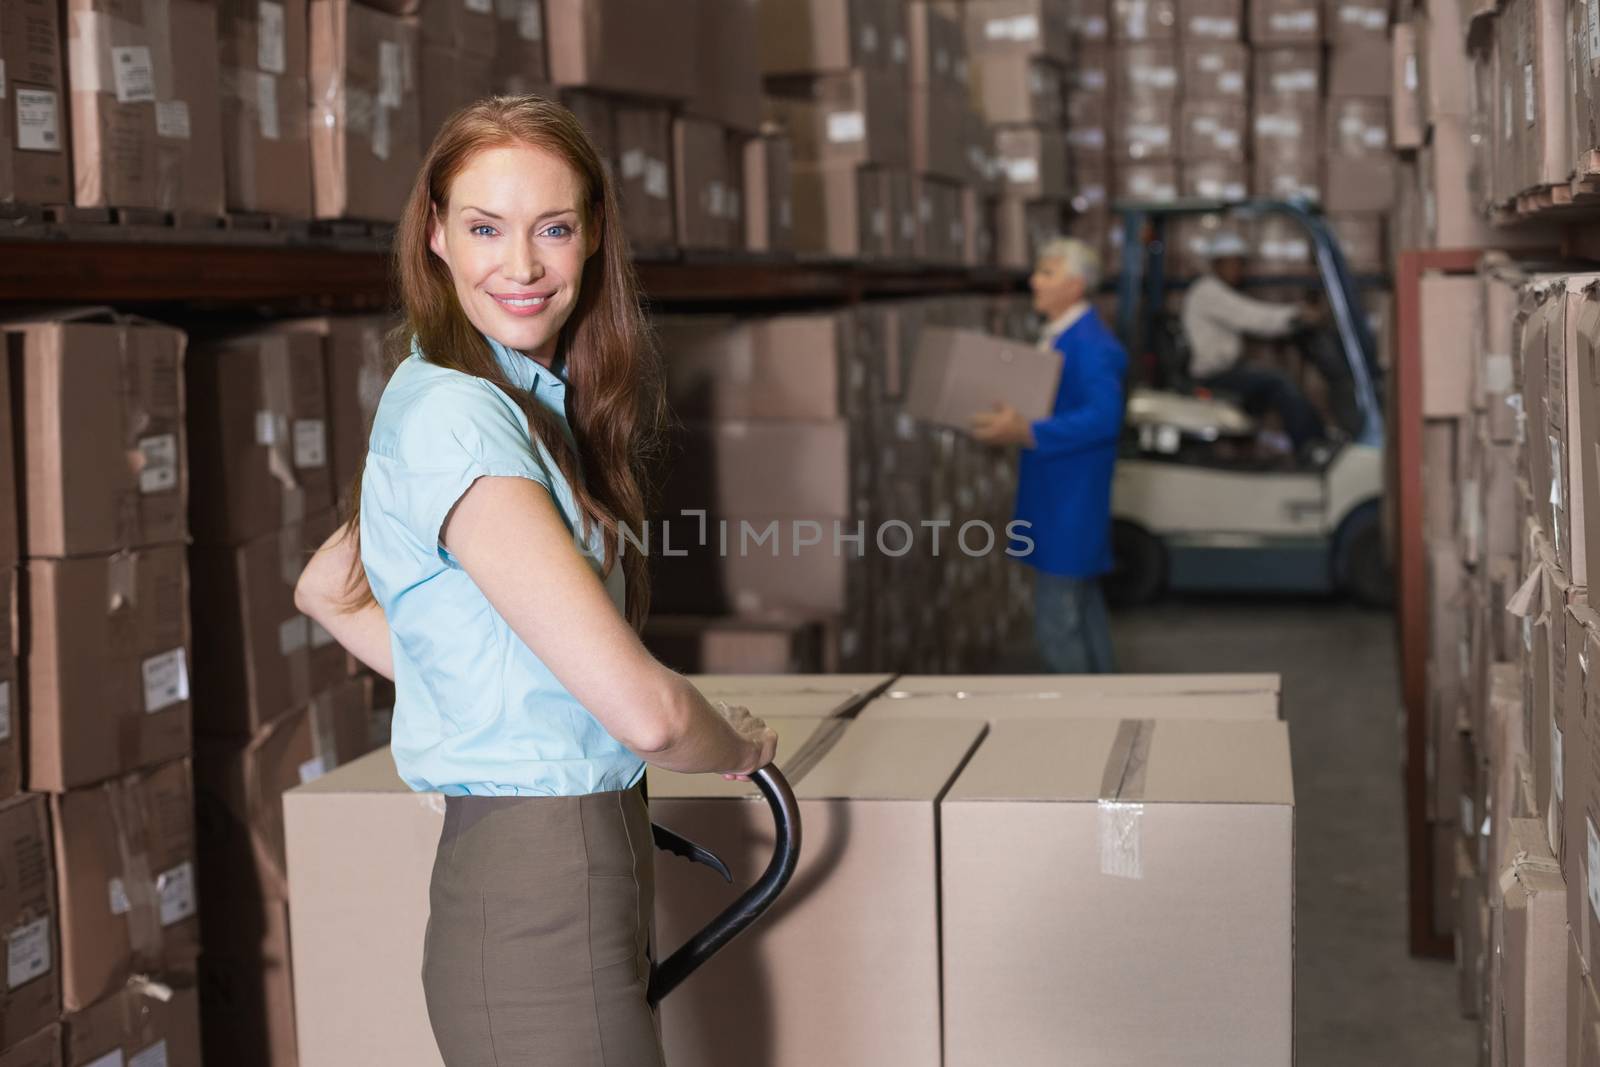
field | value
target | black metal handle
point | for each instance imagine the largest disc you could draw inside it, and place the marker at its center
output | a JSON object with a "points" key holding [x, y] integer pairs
{"points": [[667, 975]]}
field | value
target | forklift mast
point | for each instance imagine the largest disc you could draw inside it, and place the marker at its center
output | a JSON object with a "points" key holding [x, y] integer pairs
{"points": [[1142, 285]]}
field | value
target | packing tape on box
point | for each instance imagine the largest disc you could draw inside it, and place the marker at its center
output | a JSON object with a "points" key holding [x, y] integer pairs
{"points": [[1528, 601], [122, 581], [273, 426], [138, 882], [1121, 803]]}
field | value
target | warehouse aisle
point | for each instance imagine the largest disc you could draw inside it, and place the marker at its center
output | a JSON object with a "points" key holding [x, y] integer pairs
{"points": [[1360, 998]]}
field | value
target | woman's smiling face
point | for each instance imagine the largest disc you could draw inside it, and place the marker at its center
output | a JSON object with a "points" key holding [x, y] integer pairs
{"points": [[515, 237]]}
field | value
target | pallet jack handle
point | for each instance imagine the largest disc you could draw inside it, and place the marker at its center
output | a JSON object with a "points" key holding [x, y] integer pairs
{"points": [[666, 976]]}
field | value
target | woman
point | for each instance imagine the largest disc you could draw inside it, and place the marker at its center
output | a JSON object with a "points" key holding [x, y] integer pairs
{"points": [[483, 571]]}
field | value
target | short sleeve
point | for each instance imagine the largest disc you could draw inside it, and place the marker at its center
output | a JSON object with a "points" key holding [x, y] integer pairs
{"points": [[454, 434]]}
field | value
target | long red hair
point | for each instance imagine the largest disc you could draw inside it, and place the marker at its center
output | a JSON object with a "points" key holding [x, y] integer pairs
{"points": [[616, 404]]}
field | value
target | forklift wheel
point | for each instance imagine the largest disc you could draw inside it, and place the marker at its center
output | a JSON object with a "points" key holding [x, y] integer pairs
{"points": [[1359, 567], [1138, 566]]}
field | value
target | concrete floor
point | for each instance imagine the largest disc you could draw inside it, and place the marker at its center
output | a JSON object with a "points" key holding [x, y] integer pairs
{"points": [[1360, 999]]}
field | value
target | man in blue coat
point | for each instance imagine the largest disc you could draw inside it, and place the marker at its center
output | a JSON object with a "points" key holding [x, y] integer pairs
{"points": [[1064, 484]]}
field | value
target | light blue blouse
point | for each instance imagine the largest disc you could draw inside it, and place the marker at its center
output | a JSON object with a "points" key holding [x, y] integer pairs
{"points": [[476, 712]]}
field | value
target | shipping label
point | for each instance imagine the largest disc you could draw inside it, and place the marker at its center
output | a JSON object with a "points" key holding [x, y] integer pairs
{"points": [[1293, 21], [133, 74], [310, 443], [159, 471], [27, 952], [1022, 171], [1231, 82], [110, 1059], [166, 680], [657, 184], [118, 894], [1593, 866], [5, 711], [844, 127], [172, 119], [154, 1056], [1530, 106], [380, 132], [267, 105], [175, 887], [38, 120], [270, 50], [479, 7], [389, 74], [530, 21], [1018, 28]]}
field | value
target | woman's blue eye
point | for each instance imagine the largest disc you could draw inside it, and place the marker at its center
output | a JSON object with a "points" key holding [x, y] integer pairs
{"points": [[566, 231], [482, 229]]}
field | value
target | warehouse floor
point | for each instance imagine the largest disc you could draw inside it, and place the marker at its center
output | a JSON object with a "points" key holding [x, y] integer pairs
{"points": [[1360, 997]]}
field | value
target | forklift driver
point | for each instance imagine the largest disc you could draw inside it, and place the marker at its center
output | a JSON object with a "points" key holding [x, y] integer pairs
{"points": [[1216, 320]]}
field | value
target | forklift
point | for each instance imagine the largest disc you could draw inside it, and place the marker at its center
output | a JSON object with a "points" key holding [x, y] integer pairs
{"points": [[1194, 507]]}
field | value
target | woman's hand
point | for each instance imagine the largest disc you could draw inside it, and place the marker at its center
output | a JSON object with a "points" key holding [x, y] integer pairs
{"points": [[761, 739]]}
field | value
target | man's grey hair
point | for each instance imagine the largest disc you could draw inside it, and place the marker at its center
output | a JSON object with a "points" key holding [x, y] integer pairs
{"points": [[1077, 256]]}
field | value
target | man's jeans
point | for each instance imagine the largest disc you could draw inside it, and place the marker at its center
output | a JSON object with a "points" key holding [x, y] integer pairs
{"points": [[1070, 626]]}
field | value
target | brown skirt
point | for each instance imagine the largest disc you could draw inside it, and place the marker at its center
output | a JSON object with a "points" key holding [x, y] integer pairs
{"points": [[537, 949]]}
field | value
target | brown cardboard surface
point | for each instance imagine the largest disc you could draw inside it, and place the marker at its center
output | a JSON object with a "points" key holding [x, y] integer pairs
{"points": [[1017, 89], [1356, 21], [125, 865], [1216, 70], [845, 688], [772, 565], [941, 235], [1019, 921], [1406, 113], [146, 129], [747, 467], [28, 916], [647, 50], [520, 63], [1359, 169], [266, 139], [1448, 311], [801, 366], [840, 211], [799, 737], [366, 116], [1033, 161], [982, 685], [129, 482], [726, 83], [960, 372], [1362, 66], [1534, 956], [936, 117], [106, 665], [816, 36], [448, 79], [1582, 469], [1025, 27], [996, 707], [43, 1049], [768, 195], [33, 158], [1144, 20], [1213, 130], [137, 1023], [1286, 22], [1203, 22], [846, 971], [643, 165], [859, 117], [705, 188], [259, 434], [357, 368]]}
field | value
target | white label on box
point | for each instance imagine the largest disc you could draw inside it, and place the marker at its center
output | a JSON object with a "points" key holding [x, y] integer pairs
{"points": [[166, 680], [1505, 126], [1094, 27], [110, 1059], [312, 769], [1086, 137], [1410, 75], [1593, 865], [1092, 80], [267, 105], [530, 21], [1154, 77], [869, 39], [1231, 82], [1035, 81], [1557, 776], [1018, 28], [267, 428], [656, 182], [293, 635], [310, 443], [1293, 21], [133, 74], [1375, 137], [1466, 814], [172, 119], [1530, 106], [1150, 133], [380, 132], [1205, 124], [1295, 81], [1594, 30], [2, 79], [1213, 26], [899, 51], [320, 637], [1555, 477], [632, 163], [118, 894], [269, 37], [154, 1056], [1021, 171], [1226, 139], [878, 222], [1285, 126], [846, 126], [38, 120], [28, 952], [175, 887], [390, 85], [5, 711], [159, 472], [1209, 62], [479, 7]]}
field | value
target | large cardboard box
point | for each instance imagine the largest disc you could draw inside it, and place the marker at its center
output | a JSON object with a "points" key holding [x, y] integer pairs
{"points": [[266, 137], [1018, 27], [937, 115], [1358, 158], [1051, 686], [1542, 46], [107, 665], [999, 707], [1037, 963], [941, 223], [1033, 162], [360, 851], [1205, 22], [33, 124], [1213, 130], [124, 486], [32, 996], [1288, 73], [257, 658], [768, 193], [125, 865], [841, 211], [357, 368], [1361, 67], [43, 1049], [726, 82], [1582, 467], [1406, 104], [644, 167], [366, 114], [961, 372], [144, 1023], [706, 185], [812, 365], [813, 696], [1531, 902], [1025, 90], [642, 49], [520, 64], [858, 117], [1274, 22], [146, 127], [846, 971], [258, 435], [1448, 310], [1135, 21], [1286, 148], [821, 36], [1216, 70]]}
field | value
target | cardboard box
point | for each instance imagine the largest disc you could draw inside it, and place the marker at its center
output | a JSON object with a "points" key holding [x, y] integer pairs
{"points": [[1448, 309], [841, 211], [361, 848], [941, 225], [1357, 22], [689, 643], [257, 658], [1135, 21], [140, 1024], [808, 696], [28, 914], [450, 79], [1581, 776], [1532, 901], [125, 865], [43, 1049], [1018, 90], [1287, 76], [366, 117], [1215, 180], [821, 36], [858, 117], [33, 133], [1146, 74], [643, 165], [1137, 812], [107, 665], [259, 434], [1019, 27], [981, 219], [1213, 130], [520, 65], [1202, 23], [1145, 133], [1050, 685], [1409, 129], [1002, 707], [146, 130], [1023, 227], [1361, 67], [768, 193], [1583, 412], [726, 84], [1216, 70], [1285, 148], [1152, 182], [938, 46], [772, 565], [1274, 22], [81, 493], [1033, 161], [1562, 508], [1361, 239], [938, 147], [1358, 155], [808, 366], [643, 50], [266, 141], [848, 972], [959, 373], [357, 369], [746, 467], [705, 186]]}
